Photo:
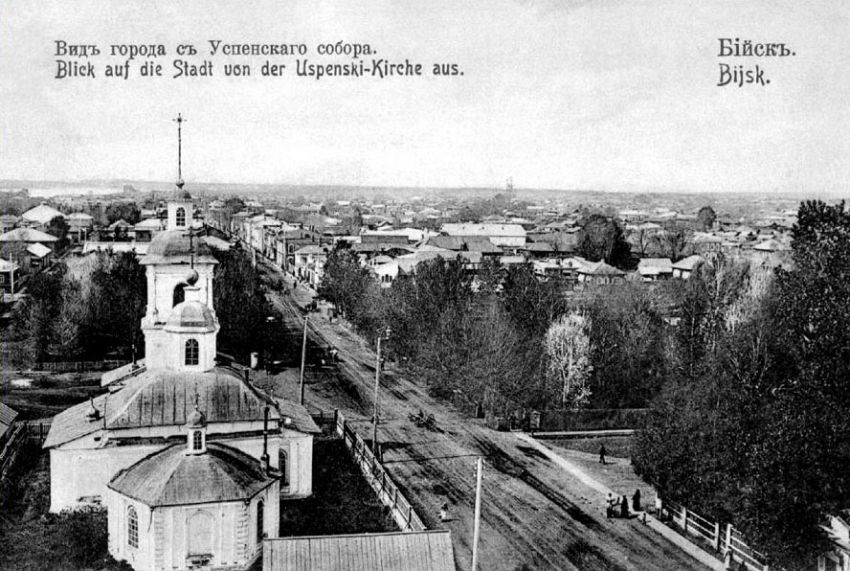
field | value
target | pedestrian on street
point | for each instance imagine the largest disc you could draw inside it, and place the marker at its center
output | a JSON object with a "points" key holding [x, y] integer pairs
{"points": [[609, 505], [444, 511], [602, 453], [624, 508], [636, 501]]}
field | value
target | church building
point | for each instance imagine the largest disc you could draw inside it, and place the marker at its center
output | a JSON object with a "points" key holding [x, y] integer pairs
{"points": [[187, 455]]}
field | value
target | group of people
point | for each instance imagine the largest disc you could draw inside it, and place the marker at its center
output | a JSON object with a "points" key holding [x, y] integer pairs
{"points": [[619, 507]]}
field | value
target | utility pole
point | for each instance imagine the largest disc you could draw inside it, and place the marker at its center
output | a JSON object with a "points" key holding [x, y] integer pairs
{"points": [[377, 383], [303, 359], [476, 530]]}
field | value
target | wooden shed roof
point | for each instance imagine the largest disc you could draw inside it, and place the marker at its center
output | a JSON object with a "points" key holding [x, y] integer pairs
{"points": [[399, 551]]}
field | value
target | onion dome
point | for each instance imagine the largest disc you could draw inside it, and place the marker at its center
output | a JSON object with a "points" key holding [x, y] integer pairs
{"points": [[196, 419], [191, 277], [191, 314], [171, 478], [175, 247]]}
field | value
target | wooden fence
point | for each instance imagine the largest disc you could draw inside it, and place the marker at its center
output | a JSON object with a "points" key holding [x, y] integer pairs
{"points": [[723, 539], [378, 478], [13, 445], [592, 419], [79, 366]]}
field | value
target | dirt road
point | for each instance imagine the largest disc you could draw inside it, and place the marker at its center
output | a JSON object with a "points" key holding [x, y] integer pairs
{"points": [[534, 515]]}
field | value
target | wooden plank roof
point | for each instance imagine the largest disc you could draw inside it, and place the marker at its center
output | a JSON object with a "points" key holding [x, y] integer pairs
{"points": [[397, 551]]}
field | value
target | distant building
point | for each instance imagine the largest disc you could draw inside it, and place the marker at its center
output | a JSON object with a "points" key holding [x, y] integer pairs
{"points": [[599, 273], [9, 276], [40, 216], [654, 269], [686, 266], [505, 235]]}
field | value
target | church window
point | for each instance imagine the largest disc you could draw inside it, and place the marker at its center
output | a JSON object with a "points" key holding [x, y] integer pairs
{"points": [[197, 440], [181, 217], [179, 294], [132, 527], [192, 354], [283, 463], [260, 532]]}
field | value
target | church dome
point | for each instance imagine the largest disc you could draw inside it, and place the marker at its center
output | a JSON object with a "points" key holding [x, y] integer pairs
{"points": [[172, 478], [173, 247], [196, 419], [191, 314]]}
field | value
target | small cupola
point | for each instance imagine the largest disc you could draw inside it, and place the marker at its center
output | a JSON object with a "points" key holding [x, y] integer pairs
{"points": [[196, 428]]}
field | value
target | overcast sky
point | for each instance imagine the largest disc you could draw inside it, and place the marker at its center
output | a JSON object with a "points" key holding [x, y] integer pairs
{"points": [[569, 94]]}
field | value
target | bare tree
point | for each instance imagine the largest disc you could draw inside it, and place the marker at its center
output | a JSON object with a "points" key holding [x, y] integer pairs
{"points": [[567, 346]]}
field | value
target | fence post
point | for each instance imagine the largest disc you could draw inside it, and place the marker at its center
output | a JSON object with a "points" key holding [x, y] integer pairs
{"points": [[717, 536], [684, 519], [728, 537], [409, 517]]}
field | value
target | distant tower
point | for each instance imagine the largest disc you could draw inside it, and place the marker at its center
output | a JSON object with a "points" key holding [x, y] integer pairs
{"points": [[180, 208], [509, 189]]}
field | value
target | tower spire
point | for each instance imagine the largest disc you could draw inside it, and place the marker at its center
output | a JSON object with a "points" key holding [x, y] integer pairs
{"points": [[179, 120]]}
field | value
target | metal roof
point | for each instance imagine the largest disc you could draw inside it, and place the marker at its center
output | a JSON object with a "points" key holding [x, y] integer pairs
{"points": [[171, 477], [399, 551], [7, 417], [172, 247], [27, 235]]}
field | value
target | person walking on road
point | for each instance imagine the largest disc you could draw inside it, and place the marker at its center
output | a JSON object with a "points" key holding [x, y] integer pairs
{"points": [[602, 453]]}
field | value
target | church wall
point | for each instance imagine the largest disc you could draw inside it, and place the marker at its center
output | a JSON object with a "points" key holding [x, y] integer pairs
{"points": [[140, 557], [299, 449], [79, 472], [163, 278]]}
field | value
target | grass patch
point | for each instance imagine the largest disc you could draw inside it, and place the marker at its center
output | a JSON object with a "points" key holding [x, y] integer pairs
{"points": [[616, 446], [342, 501], [32, 539]]}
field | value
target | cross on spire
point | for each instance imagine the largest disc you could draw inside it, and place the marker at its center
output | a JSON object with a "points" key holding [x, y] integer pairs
{"points": [[179, 120]]}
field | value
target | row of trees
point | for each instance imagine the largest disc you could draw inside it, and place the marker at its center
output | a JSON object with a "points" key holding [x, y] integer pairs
{"points": [[752, 424], [506, 339], [97, 314], [91, 317]]}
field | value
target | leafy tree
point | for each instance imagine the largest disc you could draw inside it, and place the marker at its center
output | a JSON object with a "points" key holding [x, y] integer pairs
{"points": [[127, 211], [116, 304], [705, 218], [59, 227], [240, 304], [601, 238], [40, 311], [673, 241], [568, 353]]}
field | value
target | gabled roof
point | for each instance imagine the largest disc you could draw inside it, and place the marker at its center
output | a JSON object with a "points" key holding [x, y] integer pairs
{"points": [[397, 551], [500, 230], [150, 224], [164, 397], [172, 247], [470, 243], [655, 266], [170, 477], [38, 250], [121, 223], [688, 263], [7, 266], [311, 250], [600, 269], [41, 214], [27, 235], [7, 417]]}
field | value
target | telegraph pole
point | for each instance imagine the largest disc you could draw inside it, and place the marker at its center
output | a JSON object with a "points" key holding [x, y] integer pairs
{"points": [[476, 530], [303, 359], [377, 383]]}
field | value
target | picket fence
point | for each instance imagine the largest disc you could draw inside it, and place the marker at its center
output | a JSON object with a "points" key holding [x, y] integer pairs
{"points": [[378, 478], [723, 539]]}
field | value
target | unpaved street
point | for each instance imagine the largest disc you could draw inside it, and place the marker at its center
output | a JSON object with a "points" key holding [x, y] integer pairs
{"points": [[535, 515]]}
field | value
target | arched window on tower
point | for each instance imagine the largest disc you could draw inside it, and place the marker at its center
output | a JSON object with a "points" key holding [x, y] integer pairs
{"points": [[260, 523], [132, 527], [180, 215], [192, 353], [283, 465], [179, 295]]}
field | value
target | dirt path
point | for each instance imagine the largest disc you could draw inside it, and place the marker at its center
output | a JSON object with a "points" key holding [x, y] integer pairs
{"points": [[535, 515]]}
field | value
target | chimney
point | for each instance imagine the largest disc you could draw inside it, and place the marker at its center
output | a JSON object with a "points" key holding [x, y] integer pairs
{"points": [[265, 457]]}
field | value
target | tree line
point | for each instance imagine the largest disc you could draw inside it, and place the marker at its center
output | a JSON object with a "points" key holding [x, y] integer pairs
{"points": [[751, 426], [96, 314]]}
